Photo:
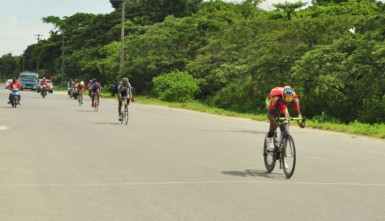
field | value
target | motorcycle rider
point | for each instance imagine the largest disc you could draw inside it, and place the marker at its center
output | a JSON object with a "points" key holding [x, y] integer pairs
{"points": [[43, 85], [14, 85]]}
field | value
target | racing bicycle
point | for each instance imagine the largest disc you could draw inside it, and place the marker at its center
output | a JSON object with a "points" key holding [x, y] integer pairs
{"points": [[80, 98], [96, 103], [125, 112], [284, 148]]}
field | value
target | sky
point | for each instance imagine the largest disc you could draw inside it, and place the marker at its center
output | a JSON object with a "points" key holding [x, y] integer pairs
{"points": [[21, 20]]}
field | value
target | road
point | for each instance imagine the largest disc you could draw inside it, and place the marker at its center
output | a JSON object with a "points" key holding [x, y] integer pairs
{"points": [[61, 161]]}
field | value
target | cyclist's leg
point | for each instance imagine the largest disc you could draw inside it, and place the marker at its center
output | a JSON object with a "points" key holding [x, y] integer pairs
{"points": [[92, 99], [120, 107]]}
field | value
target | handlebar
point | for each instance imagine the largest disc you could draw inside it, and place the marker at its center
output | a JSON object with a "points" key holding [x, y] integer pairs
{"points": [[291, 118]]}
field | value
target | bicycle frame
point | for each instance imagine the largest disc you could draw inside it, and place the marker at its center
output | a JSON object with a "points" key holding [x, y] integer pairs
{"points": [[284, 134], [284, 121]]}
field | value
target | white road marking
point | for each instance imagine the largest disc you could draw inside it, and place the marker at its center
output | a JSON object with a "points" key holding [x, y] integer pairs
{"points": [[3, 127], [194, 183]]}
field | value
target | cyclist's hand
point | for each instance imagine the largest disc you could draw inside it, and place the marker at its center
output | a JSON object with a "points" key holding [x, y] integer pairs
{"points": [[301, 124]]}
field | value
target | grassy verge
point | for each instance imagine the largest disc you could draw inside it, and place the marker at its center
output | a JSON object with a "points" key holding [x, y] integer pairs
{"points": [[375, 131]]}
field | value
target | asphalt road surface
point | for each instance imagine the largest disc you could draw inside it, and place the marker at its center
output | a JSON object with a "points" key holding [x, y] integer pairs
{"points": [[62, 161]]}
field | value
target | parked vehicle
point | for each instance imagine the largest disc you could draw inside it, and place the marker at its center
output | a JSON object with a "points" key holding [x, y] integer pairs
{"points": [[29, 80]]}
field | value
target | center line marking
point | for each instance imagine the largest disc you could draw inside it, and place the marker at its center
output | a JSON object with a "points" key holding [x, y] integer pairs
{"points": [[196, 183]]}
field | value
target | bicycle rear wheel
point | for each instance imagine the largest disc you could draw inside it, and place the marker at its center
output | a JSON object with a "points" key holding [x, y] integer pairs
{"points": [[96, 103], [125, 115], [289, 156], [80, 99], [268, 157]]}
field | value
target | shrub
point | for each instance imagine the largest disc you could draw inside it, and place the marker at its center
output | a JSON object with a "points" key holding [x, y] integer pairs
{"points": [[175, 86]]}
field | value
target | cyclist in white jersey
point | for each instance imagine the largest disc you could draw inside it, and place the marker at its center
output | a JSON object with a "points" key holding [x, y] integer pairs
{"points": [[124, 91]]}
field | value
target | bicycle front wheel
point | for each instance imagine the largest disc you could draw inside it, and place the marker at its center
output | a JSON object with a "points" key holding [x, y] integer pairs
{"points": [[289, 156], [96, 103], [268, 158], [125, 115], [80, 99]]}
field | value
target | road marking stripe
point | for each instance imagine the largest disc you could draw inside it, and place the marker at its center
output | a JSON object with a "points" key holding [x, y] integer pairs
{"points": [[198, 182], [3, 127]]}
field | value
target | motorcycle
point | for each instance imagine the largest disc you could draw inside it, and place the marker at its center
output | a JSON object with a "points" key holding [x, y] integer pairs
{"points": [[75, 93], [70, 91], [15, 98], [44, 91]]}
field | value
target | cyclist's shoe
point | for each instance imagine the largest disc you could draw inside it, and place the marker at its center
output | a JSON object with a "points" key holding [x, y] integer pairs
{"points": [[270, 144], [9, 102]]}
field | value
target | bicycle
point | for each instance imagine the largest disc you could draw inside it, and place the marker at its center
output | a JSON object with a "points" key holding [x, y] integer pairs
{"points": [[95, 104], [125, 113], [284, 148], [80, 98]]}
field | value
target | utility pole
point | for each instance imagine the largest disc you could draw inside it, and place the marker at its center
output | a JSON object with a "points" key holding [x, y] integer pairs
{"points": [[122, 34], [62, 57], [38, 37], [38, 40]]}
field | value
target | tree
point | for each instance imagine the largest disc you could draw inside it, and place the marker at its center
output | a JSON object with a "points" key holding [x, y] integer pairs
{"points": [[289, 8], [175, 86]]}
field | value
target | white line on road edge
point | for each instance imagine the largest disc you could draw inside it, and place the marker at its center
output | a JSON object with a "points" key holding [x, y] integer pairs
{"points": [[3, 127], [194, 183]]}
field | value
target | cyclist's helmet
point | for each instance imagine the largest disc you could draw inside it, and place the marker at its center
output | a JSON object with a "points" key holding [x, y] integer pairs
{"points": [[288, 93], [82, 83]]}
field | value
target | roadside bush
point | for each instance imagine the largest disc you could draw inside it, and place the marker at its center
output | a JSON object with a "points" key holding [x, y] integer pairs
{"points": [[175, 86]]}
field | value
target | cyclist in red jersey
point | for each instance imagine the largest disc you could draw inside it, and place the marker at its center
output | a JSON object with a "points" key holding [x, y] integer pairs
{"points": [[276, 103]]}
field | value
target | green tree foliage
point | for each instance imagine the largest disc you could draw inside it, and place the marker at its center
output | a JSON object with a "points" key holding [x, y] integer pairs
{"points": [[175, 86], [289, 8], [10, 66], [331, 52]]}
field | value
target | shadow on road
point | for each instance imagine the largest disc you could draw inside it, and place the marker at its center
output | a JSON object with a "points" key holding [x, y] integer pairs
{"points": [[237, 131], [253, 173], [85, 110], [107, 123]]}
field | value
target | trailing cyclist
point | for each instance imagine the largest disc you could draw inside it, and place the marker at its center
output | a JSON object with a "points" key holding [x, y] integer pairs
{"points": [[276, 103], [80, 88], [124, 92], [95, 90]]}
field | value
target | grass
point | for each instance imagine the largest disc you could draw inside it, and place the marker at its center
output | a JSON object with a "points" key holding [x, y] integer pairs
{"points": [[375, 130]]}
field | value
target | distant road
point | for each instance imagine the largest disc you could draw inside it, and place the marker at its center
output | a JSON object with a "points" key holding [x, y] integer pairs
{"points": [[61, 161]]}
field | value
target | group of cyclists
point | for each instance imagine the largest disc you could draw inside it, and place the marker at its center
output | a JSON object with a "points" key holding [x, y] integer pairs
{"points": [[94, 90], [276, 102]]}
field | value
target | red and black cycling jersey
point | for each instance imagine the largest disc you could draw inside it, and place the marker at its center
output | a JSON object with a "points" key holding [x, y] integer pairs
{"points": [[277, 102]]}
